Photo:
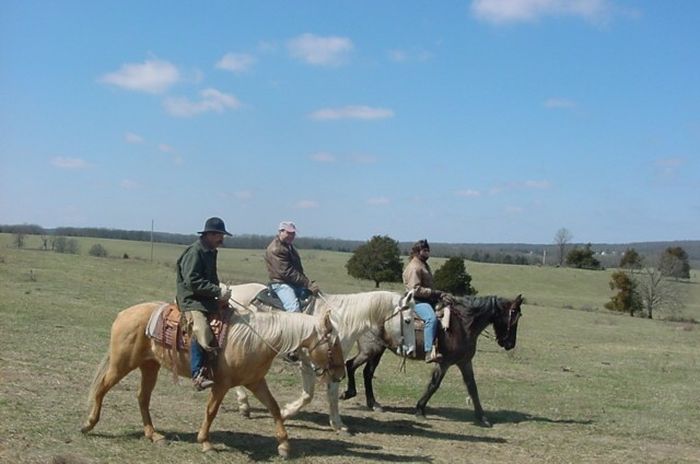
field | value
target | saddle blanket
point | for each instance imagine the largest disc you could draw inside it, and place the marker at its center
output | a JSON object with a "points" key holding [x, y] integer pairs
{"points": [[167, 327]]}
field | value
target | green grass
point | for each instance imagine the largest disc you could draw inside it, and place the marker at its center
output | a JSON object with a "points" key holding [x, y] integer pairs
{"points": [[581, 386]]}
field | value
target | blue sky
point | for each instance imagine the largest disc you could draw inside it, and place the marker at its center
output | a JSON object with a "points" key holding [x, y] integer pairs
{"points": [[458, 121]]}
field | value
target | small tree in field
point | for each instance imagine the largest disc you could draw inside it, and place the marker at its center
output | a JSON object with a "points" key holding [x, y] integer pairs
{"points": [[561, 239], [582, 258], [378, 260], [452, 277], [98, 250], [627, 299], [18, 239], [631, 260], [674, 263]]}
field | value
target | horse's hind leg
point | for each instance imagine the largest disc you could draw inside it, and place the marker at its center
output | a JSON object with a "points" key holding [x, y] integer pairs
{"points": [[262, 392], [149, 376], [243, 404], [108, 374], [468, 377], [435, 380], [351, 366]]}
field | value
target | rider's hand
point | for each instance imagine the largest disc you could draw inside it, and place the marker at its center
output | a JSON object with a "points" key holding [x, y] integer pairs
{"points": [[314, 288], [225, 293], [447, 299]]}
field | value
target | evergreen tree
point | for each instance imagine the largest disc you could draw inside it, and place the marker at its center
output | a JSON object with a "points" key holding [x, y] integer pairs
{"points": [[452, 277], [674, 263], [378, 260], [582, 258]]}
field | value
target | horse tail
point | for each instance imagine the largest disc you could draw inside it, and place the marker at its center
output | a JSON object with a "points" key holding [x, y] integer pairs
{"points": [[97, 379]]}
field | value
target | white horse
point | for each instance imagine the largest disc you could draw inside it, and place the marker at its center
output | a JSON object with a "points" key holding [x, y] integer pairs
{"points": [[351, 316]]}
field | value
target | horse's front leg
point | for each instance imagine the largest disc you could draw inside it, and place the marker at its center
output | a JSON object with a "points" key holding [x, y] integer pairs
{"points": [[435, 380], [308, 382], [468, 377], [334, 413], [350, 366], [243, 404], [149, 377], [262, 392], [368, 376], [215, 398]]}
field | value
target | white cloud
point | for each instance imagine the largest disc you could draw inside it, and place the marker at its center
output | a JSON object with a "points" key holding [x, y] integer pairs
{"points": [[511, 11], [130, 137], [165, 148], [468, 193], [68, 163], [151, 76], [322, 51], [128, 184], [212, 100], [378, 201], [559, 103], [352, 112], [323, 157], [514, 210], [243, 195], [537, 184], [307, 204], [236, 62]]}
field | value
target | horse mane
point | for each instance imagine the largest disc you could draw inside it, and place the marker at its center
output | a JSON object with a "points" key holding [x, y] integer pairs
{"points": [[357, 311], [283, 331], [473, 308]]}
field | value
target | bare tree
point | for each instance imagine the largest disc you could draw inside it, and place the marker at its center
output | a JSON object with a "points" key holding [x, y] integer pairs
{"points": [[561, 239], [18, 239], [657, 292]]}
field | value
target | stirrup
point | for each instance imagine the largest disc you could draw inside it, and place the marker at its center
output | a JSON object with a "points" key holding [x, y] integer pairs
{"points": [[200, 382]]}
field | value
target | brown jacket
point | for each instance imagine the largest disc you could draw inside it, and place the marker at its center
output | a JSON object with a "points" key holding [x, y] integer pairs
{"points": [[418, 277], [284, 264]]}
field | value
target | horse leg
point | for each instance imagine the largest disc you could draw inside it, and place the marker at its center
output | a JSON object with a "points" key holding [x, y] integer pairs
{"points": [[243, 404], [334, 414], [351, 366], [308, 382], [149, 376], [368, 375], [262, 392], [438, 374], [108, 374], [215, 398], [468, 377]]}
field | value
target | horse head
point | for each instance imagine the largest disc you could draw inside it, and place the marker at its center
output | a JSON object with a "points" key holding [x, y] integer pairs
{"points": [[506, 321], [399, 328], [326, 354]]}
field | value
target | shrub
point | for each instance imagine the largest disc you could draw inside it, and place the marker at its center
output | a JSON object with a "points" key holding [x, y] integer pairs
{"points": [[65, 245], [98, 250], [452, 277]]}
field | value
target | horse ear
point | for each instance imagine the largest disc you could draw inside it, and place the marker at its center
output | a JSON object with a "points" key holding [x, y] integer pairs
{"points": [[327, 324], [519, 299]]}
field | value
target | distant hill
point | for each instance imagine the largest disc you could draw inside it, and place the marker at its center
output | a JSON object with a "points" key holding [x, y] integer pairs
{"points": [[509, 253]]}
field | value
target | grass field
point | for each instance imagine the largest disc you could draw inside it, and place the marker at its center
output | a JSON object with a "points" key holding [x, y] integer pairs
{"points": [[583, 385]]}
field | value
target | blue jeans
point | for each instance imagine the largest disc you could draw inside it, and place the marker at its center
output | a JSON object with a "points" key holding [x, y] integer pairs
{"points": [[289, 295], [425, 312], [198, 357]]}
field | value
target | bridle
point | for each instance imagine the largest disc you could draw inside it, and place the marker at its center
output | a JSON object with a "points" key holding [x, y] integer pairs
{"points": [[398, 311], [513, 316], [331, 340]]}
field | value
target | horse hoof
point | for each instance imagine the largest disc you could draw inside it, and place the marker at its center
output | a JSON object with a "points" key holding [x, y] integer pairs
{"points": [[283, 450], [207, 447], [86, 428], [347, 396], [484, 423], [421, 417], [377, 408], [159, 439]]}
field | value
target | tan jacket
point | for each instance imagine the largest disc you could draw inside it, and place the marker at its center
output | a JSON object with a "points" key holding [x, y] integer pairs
{"points": [[284, 264], [418, 277]]}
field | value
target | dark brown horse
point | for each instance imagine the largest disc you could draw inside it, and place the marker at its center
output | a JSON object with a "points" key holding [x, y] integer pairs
{"points": [[469, 317]]}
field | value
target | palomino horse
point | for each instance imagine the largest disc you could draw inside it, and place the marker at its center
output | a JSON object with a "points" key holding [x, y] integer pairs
{"points": [[352, 315], [251, 344], [469, 317]]}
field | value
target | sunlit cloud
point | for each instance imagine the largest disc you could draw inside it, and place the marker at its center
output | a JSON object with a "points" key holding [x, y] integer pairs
{"points": [[128, 184], [468, 193], [307, 204], [321, 51], [559, 103], [130, 137], [378, 201], [513, 11], [351, 112], [537, 184], [236, 62], [151, 76], [165, 148], [323, 157], [68, 163], [211, 100]]}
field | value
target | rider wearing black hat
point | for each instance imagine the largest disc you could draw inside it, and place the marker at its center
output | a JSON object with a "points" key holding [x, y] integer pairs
{"points": [[198, 293]]}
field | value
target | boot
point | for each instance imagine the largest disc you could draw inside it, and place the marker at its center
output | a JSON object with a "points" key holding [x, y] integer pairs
{"points": [[433, 355], [200, 381]]}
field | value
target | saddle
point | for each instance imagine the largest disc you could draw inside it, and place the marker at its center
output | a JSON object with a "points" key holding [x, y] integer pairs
{"points": [[267, 300], [168, 328]]}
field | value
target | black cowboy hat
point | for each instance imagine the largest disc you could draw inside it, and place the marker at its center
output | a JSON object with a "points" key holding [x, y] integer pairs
{"points": [[215, 225]]}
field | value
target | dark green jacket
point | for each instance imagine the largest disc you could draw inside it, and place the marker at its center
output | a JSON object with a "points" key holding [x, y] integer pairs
{"points": [[197, 281]]}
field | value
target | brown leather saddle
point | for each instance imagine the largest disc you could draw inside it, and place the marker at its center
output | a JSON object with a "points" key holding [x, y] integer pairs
{"points": [[169, 328], [267, 300]]}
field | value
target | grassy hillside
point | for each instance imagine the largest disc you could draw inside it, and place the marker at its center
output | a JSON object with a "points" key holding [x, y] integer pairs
{"points": [[581, 386]]}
